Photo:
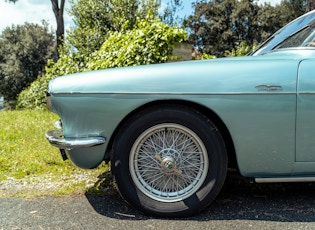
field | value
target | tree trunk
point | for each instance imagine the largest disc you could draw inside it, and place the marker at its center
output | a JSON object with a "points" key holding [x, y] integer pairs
{"points": [[58, 11]]}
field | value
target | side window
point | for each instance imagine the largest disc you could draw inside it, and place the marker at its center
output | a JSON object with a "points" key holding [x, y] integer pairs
{"points": [[303, 37]]}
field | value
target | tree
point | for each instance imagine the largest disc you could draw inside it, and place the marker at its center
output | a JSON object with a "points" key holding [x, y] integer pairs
{"points": [[169, 15], [245, 25], [269, 21], [290, 9], [95, 18], [221, 25], [58, 9], [24, 51]]}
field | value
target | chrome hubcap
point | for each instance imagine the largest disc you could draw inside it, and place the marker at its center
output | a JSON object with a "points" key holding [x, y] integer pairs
{"points": [[168, 163]]}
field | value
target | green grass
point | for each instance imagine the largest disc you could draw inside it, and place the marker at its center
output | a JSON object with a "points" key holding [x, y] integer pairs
{"points": [[26, 155]]}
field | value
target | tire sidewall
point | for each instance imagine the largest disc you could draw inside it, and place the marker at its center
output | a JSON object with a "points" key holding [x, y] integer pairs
{"points": [[196, 122]]}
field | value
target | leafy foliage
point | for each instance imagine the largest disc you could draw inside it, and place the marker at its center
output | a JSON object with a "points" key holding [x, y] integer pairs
{"points": [[24, 51], [171, 14], [151, 41], [242, 50], [217, 26], [205, 56], [94, 19]]}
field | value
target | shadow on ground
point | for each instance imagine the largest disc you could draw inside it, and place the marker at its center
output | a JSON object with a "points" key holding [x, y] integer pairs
{"points": [[238, 200]]}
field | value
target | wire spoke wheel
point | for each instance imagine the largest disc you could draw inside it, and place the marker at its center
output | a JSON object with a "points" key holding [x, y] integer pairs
{"points": [[168, 162]]}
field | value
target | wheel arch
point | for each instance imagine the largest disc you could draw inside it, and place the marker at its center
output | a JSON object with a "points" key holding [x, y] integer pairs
{"points": [[210, 114]]}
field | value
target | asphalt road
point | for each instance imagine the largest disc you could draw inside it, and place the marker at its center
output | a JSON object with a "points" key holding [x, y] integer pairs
{"points": [[277, 206]]}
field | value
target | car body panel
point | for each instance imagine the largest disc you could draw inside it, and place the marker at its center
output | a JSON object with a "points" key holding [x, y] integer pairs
{"points": [[253, 113], [150, 79]]}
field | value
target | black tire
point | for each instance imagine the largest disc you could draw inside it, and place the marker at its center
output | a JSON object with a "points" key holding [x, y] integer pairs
{"points": [[175, 179]]}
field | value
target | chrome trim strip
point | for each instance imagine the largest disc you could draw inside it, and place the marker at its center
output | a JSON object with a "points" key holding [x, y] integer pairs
{"points": [[285, 179], [178, 93], [305, 93], [56, 138]]}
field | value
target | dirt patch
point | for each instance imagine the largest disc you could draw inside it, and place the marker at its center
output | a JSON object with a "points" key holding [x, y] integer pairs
{"points": [[46, 185]]}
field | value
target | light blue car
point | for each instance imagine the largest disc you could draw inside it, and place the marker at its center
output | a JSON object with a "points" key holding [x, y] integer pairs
{"points": [[171, 131]]}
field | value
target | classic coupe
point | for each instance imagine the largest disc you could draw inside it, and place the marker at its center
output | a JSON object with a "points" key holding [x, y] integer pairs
{"points": [[171, 131]]}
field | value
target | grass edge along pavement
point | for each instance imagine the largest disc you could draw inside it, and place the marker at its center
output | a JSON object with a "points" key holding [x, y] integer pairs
{"points": [[30, 166]]}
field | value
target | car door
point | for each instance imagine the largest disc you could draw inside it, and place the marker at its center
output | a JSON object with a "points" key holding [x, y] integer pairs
{"points": [[305, 121]]}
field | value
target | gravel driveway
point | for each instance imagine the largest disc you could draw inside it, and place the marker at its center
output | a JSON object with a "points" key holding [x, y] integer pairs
{"points": [[277, 206]]}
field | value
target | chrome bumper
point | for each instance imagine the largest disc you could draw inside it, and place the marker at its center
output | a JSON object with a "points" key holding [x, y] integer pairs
{"points": [[56, 138]]}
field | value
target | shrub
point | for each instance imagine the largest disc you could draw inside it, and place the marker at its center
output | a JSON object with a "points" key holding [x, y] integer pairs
{"points": [[150, 42], [207, 56], [242, 50]]}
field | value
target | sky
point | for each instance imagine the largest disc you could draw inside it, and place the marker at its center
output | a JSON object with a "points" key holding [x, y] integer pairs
{"points": [[35, 11]]}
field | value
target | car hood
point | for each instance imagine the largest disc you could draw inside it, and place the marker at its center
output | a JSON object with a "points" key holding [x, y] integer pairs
{"points": [[216, 75]]}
